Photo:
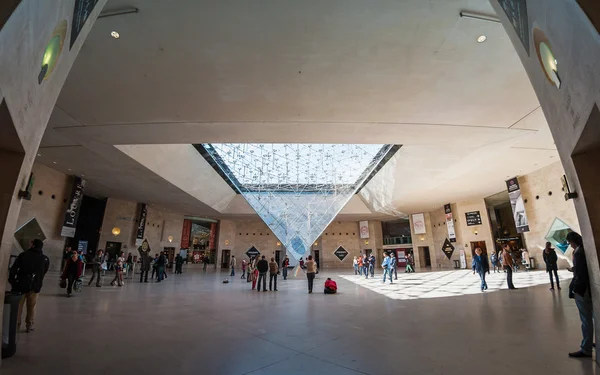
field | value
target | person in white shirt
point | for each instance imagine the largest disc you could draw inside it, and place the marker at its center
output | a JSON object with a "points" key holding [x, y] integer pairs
{"points": [[232, 264]]}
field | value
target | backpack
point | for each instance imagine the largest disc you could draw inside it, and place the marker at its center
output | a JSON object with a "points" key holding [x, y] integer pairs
{"points": [[494, 258]]}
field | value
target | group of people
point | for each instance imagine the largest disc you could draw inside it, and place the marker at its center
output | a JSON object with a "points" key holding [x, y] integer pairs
{"points": [[365, 264]]}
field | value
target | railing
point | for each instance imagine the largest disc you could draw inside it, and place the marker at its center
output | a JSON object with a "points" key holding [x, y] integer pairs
{"points": [[403, 240]]}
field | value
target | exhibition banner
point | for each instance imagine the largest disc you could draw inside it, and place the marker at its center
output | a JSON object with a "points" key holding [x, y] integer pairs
{"points": [[364, 229], [517, 204], [450, 222], [73, 207], [139, 236], [418, 221]]}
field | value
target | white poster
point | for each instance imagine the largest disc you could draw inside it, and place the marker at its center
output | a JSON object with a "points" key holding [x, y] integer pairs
{"points": [[364, 229], [419, 223], [463, 259]]}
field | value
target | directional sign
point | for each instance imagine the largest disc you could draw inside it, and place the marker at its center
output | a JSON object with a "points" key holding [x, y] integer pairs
{"points": [[447, 248], [252, 252], [341, 253], [473, 218]]}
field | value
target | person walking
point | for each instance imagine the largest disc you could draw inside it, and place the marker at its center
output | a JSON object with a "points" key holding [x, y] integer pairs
{"points": [[72, 271], [97, 268], [507, 263], [386, 267], [232, 264], [254, 278], [284, 267], [551, 260], [372, 262], [355, 265], [481, 266], [579, 290], [311, 271], [129, 262], [178, 264], [366, 266], [495, 261], [146, 260], [263, 267], [525, 259], [119, 265], [160, 266], [273, 271], [359, 260], [205, 262], [27, 277], [154, 266], [301, 262], [244, 265], [393, 266]]}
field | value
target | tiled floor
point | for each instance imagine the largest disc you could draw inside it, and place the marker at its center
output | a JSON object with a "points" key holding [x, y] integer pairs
{"points": [[195, 324]]}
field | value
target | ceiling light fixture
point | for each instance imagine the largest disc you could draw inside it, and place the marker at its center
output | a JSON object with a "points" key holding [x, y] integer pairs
{"points": [[115, 34], [53, 162], [39, 154], [482, 39]]}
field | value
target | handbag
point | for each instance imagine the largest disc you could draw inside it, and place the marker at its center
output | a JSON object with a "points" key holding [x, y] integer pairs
{"points": [[78, 285], [62, 284]]}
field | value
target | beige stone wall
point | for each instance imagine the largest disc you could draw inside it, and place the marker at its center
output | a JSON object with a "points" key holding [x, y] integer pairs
{"points": [[49, 212], [468, 233], [542, 212], [160, 224]]}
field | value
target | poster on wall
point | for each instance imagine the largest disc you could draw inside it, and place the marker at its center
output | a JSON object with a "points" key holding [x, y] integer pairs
{"points": [[81, 12], [364, 229], [473, 218], [517, 205], [450, 222], [186, 233], [516, 11], [463, 259], [73, 207], [419, 223], [139, 236], [447, 248]]}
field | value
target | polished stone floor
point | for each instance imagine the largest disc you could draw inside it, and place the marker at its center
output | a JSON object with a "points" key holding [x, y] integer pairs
{"points": [[195, 324]]}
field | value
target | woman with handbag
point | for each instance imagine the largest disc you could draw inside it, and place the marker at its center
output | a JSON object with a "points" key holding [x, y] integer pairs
{"points": [[72, 272], [97, 268], [311, 271]]}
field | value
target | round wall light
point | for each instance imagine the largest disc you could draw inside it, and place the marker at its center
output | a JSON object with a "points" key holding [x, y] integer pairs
{"points": [[546, 57], [116, 231], [170, 238], [53, 51], [226, 242]]}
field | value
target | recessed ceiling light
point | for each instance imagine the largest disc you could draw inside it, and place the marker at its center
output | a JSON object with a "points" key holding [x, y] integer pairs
{"points": [[39, 154], [53, 162], [69, 168], [482, 39], [115, 34]]}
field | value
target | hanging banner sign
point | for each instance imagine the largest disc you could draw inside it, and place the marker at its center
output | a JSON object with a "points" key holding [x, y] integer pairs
{"points": [[139, 236], [419, 223], [70, 223], [81, 12], [364, 229], [212, 236], [448, 249], [517, 204], [186, 233], [450, 222], [473, 218]]}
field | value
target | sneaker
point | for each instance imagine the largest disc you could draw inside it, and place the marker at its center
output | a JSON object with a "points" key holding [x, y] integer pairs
{"points": [[68, 295], [29, 329], [579, 354], [552, 289], [559, 288]]}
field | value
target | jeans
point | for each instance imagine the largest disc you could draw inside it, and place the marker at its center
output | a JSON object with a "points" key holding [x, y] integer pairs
{"points": [[555, 276], [366, 271], [262, 276], [356, 269], [509, 273], [284, 272], [483, 283], [586, 314], [372, 269], [360, 270], [144, 276], [311, 279], [272, 280], [394, 271], [160, 273], [97, 274], [31, 300], [204, 267], [232, 271], [118, 278], [386, 272], [153, 272]]}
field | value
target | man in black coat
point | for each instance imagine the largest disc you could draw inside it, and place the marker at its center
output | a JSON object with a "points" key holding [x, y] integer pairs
{"points": [[27, 277], [263, 267], [551, 259]]}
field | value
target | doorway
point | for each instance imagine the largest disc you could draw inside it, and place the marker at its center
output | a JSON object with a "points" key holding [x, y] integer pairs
{"points": [[479, 244], [278, 256], [317, 257], [225, 257], [170, 252], [425, 256]]}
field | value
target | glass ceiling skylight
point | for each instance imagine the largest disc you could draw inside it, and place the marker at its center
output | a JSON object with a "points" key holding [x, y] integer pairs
{"points": [[297, 189]]}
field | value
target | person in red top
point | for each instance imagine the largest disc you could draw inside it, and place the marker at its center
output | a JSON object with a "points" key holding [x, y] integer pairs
{"points": [[330, 286], [360, 265], [72, 272]]}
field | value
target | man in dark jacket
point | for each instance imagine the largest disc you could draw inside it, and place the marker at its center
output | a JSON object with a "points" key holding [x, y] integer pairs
{"points": [[262, 266], [144, 252], [580, 291], [161, 262], [551, 259], [26, 277]]}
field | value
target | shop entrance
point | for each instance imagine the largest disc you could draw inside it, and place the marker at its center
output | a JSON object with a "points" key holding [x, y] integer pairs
{"points": [[317, 258], [278, 256], [479, 244], [170, 253], [225, 257], [424, 256]]}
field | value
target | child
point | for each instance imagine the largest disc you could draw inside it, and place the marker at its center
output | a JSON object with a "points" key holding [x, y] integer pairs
{"points": [[330, 286]]}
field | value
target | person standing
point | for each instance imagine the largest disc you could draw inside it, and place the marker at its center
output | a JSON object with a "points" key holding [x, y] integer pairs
{"points": [[525, 259], [551, 260], [263, 267], [393, 266], [232, 264], [154, 266], [97, 268], [311, 271], [284, 267], [372, 262], [146, 260], [205, 260], [119, 264], [66, 256], [366, 266], [72, 271], [273, 271], [355, 265], [579, 289], [27, 277], [160, 266], [360, 265], [301, 262], [129, 262], [481, 266], [495, 261], [178, 264], [386, 267], [244, 265], [507, 263]]}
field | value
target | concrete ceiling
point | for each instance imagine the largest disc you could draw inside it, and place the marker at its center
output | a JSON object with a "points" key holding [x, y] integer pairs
{"points": [[406, 72]]}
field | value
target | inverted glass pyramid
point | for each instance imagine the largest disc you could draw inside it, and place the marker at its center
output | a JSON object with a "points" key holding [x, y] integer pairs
{"points": [[297, 189]]}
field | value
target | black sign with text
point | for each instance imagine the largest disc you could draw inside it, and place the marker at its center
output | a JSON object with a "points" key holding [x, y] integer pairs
{"points": [[447, 248], [139, 236], [473, 218], [341, 253], [516, 11], [73, 208], [81, 12], [252, 252]]}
